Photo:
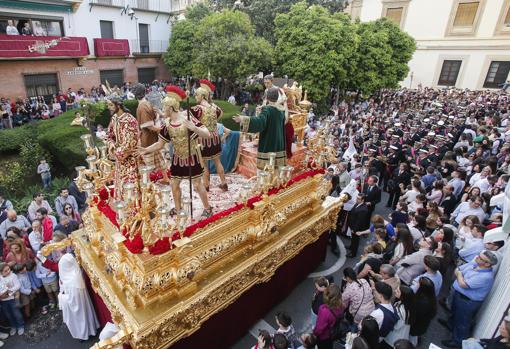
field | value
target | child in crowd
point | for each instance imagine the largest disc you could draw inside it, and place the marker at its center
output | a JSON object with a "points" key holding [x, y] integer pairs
{"points": [[26, 295], [50, 283], [318, 297], [9, 287], [284, 322], [35, 282]]}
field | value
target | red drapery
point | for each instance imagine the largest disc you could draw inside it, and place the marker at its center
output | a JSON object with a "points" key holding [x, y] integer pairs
{"points": [[111, 47], [33, 46]]}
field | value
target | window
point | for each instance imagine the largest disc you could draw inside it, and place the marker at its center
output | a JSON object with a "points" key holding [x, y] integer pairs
{"points": [[143, 32], [41, 85], [497, 74], [37, 26], [503, 25], [449, 73], [465, 17], [395, 14], [106, 29], [114, 77], [466, 14], [146, 75], [143, 4]]}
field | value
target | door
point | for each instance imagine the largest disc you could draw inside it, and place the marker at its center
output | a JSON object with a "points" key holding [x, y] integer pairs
{"points": [[143, 32]]}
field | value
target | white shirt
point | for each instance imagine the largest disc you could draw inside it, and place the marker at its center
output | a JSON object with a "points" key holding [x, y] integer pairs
{"points": [[483, 184], [464, 210], [378, 314], [11, 30], [36, 240]]}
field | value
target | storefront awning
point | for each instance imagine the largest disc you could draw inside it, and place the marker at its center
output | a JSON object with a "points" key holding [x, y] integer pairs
{"points": [[111, 47], [18, 46]]}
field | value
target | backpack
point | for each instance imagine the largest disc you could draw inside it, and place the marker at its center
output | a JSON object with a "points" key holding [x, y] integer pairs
{"points": [[340, 328]]}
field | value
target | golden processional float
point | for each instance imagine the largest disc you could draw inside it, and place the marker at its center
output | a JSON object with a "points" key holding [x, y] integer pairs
{"points": [[162, 277]]}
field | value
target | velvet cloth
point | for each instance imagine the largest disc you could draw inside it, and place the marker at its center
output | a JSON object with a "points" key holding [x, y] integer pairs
{"points": [[111, 47], [225, 328], [18, 46]]}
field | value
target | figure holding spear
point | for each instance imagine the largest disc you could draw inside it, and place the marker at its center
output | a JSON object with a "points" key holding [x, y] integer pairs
{"points": [[183, 131]]}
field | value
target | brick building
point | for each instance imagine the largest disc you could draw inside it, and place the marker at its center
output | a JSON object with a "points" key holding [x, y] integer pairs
{"points": [[82, 43]]}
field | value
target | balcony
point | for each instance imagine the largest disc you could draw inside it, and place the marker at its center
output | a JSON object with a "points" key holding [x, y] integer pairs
{"points": [[158, 6], [148, 47], [18, 46]]}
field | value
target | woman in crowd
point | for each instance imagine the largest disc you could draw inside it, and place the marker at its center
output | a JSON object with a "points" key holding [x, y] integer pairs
{"points": [[404, 303], [329, 312], [424, 309], [357, 296], [369, 331], [465, 228], [19, 254], [71, 214], [472, 192], [405, 244], [400, 214], [436, 194]]}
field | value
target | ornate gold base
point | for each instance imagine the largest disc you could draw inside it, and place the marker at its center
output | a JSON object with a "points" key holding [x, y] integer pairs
{"points": [[157, 300]]}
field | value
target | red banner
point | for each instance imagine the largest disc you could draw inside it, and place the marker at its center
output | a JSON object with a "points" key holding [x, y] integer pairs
{"points": [[42, 46], [111, 47]]}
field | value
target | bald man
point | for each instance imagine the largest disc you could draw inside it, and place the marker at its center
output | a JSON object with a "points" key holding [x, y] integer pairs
{"points": [[14, 220]]}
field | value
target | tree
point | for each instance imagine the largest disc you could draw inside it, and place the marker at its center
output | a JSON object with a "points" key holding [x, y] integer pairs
{"points": [[179, 56], [314, 47], [381, 58], [263, 12], [226, 46]]}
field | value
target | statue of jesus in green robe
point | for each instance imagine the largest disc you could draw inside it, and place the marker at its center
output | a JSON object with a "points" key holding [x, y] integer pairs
{"points": [[270, 123]]}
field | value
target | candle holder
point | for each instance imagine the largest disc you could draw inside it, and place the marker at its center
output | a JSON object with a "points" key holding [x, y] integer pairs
{"points": [[129, 192], [89, 189], [145, 172], [87, 140], [91, 160], [120, 207], [245, 192], [165, 196], [186, 204]]}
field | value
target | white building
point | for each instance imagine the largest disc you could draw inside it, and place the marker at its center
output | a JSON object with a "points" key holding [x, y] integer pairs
{"points": [[96, 40], [462, 43]]}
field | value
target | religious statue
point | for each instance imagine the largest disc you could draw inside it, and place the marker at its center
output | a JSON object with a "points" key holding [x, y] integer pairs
{"points": [[147, 116], [208, 113], [185, 164], [282, 105], [270, 123], [122, 142]]}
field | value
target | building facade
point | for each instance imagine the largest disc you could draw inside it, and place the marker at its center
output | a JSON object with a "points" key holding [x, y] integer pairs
{"points": [[461, 43], [52, 45]]}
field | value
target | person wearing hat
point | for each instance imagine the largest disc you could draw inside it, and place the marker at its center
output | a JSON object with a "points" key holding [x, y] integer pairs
{"points": [[186, 162], [473, 282], [208, 114]]}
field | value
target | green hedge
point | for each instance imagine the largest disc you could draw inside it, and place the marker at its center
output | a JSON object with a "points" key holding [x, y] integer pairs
{"points": [[63, 141]]}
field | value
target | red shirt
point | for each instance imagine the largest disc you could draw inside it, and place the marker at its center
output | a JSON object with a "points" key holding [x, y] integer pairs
{"points": [[47, 226]]}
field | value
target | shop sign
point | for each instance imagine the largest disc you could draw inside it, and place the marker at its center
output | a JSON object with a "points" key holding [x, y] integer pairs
{"points": [[79, 71]]}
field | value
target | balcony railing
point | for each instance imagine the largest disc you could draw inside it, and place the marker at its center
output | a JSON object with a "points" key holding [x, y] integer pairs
{"points": [[148, 46], [161, 6]]}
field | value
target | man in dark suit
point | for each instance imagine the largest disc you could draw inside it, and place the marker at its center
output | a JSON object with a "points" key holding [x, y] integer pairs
{"points": [[449, 200], [358, 220], [401, 175], [372, 194]]}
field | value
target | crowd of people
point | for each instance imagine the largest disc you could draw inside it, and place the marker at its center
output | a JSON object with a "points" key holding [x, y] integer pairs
{"points": [[28, 279], [442, 157], [20, 111]]}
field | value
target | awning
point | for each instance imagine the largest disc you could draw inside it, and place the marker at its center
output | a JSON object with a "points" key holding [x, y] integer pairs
{"points": [[18, 46]]}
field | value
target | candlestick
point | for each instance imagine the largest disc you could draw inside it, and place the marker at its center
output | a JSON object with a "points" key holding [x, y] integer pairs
{"points": [[145, 171], [91, 160], [186, 203], [119, 208], [87, 139], [104, 152], [182, 217], [165, 191], [129, 190]]}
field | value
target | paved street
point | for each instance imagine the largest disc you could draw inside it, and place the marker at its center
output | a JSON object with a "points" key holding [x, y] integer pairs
{"points": [[297, 304]]}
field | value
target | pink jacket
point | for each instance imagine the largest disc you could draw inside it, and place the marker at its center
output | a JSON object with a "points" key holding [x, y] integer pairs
{"points": [[325, 321]]}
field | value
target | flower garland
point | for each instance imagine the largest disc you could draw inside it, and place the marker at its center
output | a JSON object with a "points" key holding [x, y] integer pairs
{"points": [[135, 245]]}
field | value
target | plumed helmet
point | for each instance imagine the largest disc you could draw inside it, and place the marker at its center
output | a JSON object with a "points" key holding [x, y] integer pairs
{"points": [[174, 97]]}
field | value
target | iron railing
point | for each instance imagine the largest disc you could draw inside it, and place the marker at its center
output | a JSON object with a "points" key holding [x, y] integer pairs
{"points": [[161, 6], [148, 46]]}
